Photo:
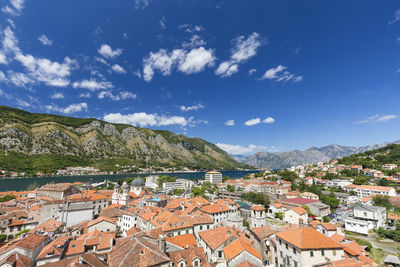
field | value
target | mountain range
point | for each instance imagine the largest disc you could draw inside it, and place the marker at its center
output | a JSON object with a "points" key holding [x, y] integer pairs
{"points": [[44, 142], [280, 160]]}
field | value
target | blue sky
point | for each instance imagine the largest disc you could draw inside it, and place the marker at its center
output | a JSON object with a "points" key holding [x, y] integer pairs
{"points": [[248, 75]]}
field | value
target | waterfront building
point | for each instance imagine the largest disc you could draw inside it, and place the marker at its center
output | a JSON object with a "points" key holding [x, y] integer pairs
{"points": [[213, 177]]}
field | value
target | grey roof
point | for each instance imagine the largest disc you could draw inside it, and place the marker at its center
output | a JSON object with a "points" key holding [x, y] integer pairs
{"points": [[125, 185], [117, 186], [359, 206], [138, 182], [392, 259], [235, 218]]}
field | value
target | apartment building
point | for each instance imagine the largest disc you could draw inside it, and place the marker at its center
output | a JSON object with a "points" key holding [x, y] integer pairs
{"points": [[213, 177]]}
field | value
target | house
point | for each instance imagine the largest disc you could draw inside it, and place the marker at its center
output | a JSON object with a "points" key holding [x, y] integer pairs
{"points": [[305, 247], [239, 251], [190, 257], [389, 167], [319, 209], [257, 217], [139, 251], [297, 215], [275, 208], [339, 183], [102, 224], [57, 191], [28, 247], [327, 229], [53, 251], [260, 239], [214, 241], [309, 195], [69, 212], [180, 242], [365, 218]]}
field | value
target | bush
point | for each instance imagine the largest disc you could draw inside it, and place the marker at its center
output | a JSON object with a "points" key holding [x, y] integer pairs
{"points": [[279, 215], [326, 219]]}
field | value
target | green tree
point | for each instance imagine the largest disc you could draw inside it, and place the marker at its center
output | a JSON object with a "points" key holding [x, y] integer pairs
{"points": [[7, 198], [308, 210], [279, 215], [256, 198], [165, 179], [326, 219], [246, 223], [330, 200], [230, 188], [361, 180], [382, 201], [383, 182]]}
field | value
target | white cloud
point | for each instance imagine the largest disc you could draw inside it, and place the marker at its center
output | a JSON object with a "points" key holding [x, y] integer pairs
{"points": [[396, 17], [44, 40], [377, 118], [244, 49], [240, 150], [191, 28], [10, 42], [127, 95], [14, 8], [281, 74], [85, 95], [93, 85], [57, 96], [107, 52], [252, 122], [197, 60], [73, 108], [252, 71], [163, 23], [195, 41], [141, 4], [19, 79], [225, 69], [161, 61], [269, 120], [230, 123], [22, 103], [122, 95], [46, 71], [143, 119], [190, 108], [118, 69], [3, 59]]}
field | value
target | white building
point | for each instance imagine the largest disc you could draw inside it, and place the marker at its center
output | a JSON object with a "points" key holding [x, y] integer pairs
{"points": [[368, 190], [389, 167], [121, 196], [339, 183], [365, 218], [296, 215], [213, 177], [257, 216], [299, 248]]}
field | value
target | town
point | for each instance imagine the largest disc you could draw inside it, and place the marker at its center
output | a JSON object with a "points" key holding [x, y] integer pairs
{"points": [[324, 214]]}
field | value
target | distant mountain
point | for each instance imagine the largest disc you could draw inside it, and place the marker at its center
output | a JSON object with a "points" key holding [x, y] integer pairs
{"points": [[280, 160], [43, 142]]}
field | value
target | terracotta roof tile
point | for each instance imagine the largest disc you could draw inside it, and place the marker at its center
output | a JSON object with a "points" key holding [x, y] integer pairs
{"points": [[308, 238], [183, 241], [238, 246]]}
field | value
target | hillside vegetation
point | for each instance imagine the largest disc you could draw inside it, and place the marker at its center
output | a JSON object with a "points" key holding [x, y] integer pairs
{"points": [[32, 142]]}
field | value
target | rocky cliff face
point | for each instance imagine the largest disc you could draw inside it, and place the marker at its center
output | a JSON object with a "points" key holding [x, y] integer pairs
{"points": [[32, 134]]}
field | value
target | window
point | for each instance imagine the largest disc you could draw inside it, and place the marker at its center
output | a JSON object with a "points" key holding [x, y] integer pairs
{"points": [[220, 254], [311, 253], [287, 261], [322, 252], [196, 263], [280, 242], [187, 231], [334, 252], [295, 263], [201, 227], [182, 264], [287, 247], [281, 254], [294, 251], [208, 227]]}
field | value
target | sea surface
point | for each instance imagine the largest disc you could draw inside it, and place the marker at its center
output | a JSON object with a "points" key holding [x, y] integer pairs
{"points": [[21, 184]]}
